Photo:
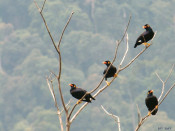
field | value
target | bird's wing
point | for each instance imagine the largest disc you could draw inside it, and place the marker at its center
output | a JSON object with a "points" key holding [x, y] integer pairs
{"points": [[141, 38], [115, 69], [78, 93], [144, 35], [151, 101], [112, 68], [154, 99], [104, 71], [79, 90], [146, 101]]}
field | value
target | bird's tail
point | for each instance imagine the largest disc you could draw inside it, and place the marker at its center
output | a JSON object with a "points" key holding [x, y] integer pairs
{"points": [[87, 98], [92, 97], [135, 45], [154, 112]]}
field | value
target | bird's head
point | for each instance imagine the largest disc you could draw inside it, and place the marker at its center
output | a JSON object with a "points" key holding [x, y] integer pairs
{"points": [[146, 26], [107, 62], [150, 92], [73, 86]]}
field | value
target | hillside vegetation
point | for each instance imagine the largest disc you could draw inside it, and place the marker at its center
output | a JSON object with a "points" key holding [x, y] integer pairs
{"points": [[27, 56]]}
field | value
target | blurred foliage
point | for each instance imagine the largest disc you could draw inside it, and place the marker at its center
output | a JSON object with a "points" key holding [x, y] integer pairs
{"points": [[27, 56]]}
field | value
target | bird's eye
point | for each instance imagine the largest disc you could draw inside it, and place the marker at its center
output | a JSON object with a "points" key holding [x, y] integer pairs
{"points": [[74, 85], [108, 62]]}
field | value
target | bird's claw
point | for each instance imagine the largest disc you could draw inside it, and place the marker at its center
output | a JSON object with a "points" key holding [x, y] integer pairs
{"points": [[149, 113], [156, 106], [115, 75], [78, 102], [146, 44], [108, 83]]}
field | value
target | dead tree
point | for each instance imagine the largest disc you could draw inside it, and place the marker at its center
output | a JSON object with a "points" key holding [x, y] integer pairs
{"points": [[70, 117]]}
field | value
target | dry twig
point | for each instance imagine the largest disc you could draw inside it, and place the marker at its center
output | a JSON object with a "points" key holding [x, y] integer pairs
{"points": [[164, 82], [139, 114], [56, 105], [116, 118]]}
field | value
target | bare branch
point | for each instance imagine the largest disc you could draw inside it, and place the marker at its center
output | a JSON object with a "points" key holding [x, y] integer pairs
{"points": [[170, 73], [65, 29], [37, 6], [43, 5], [71, 112], [153, 37], [139, 114], [164, 82], [116, 118], [133, 59], [127, 47], [54, 75], [79, 110], [60, 68], [56, 105], [53, 42], [167, 93], [51, 91], [67, 106], [125, 29], [163, 86]]}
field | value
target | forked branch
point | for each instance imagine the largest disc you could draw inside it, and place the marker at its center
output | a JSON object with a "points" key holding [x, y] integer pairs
{"points": [[116, 118], [55, 100], [60, 66], [164, 82], [139, 114]]}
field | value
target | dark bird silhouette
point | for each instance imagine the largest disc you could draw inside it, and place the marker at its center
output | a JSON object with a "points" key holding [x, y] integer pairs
{"points": [[145, 36], [111, 72], [151, 102], [78, 93]]}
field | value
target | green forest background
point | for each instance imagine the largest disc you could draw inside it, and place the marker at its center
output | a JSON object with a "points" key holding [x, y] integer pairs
{"points": [[27, 55]]}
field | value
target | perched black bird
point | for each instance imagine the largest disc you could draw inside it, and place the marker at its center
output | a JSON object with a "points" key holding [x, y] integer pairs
{"points": [[78, 93], [151, 102], [145, 36], [111, 72]]}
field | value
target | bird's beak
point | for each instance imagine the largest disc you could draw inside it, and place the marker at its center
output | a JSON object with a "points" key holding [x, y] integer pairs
{"points": [[143, 27], [70, 84], [151, 91], [104, 62]]}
